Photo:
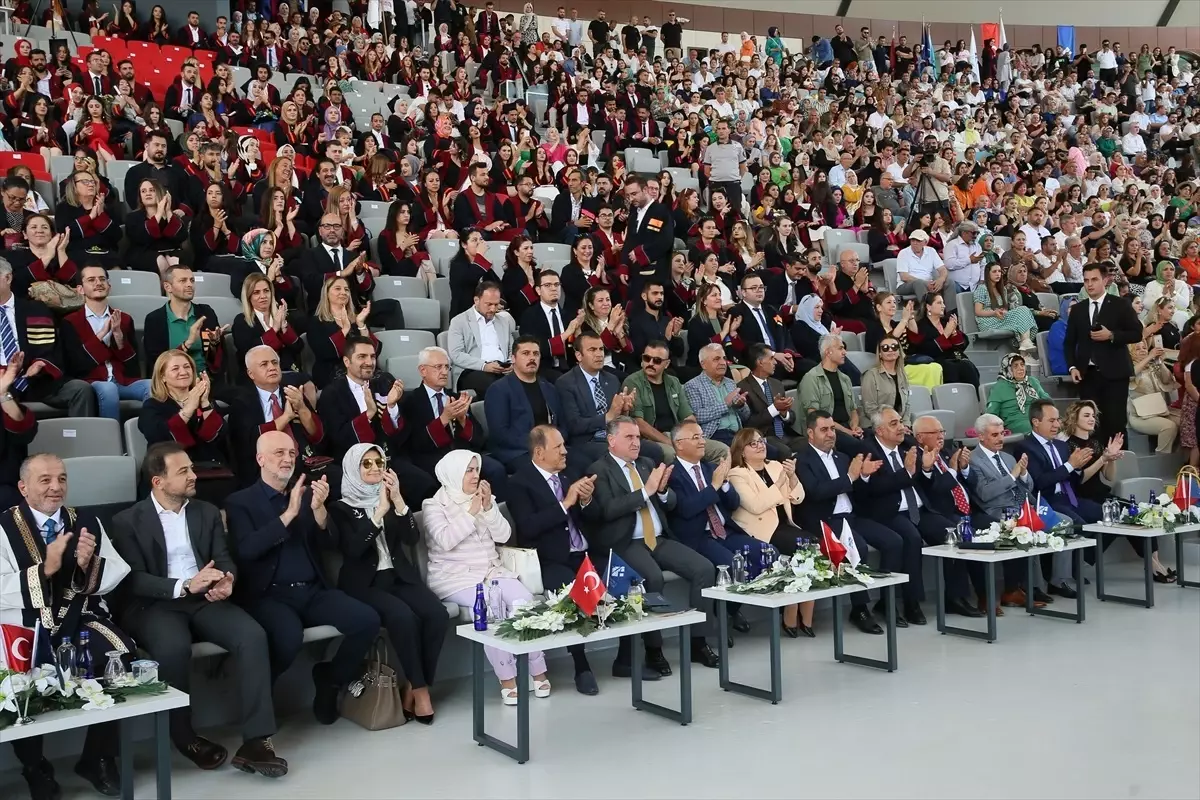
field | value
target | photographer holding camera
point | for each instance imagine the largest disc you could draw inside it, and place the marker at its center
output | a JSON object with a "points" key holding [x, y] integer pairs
{"points": [[935, 177]]}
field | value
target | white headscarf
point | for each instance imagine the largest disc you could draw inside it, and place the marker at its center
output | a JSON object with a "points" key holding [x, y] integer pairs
{"points": [[450, 472], [356, 492]]}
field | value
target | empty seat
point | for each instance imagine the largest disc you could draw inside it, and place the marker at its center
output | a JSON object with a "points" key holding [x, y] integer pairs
{"points": [[864, 361], [891, 277], [547, 251], [853, 341], [919, 399], [124, 282], [214, 284], [100, 480], [962, 399], [226, 308], [1139, 488], [372, 208], [834, 239], [71, 437], [390, 286], [404, 368], [440, 252], [480, 417], [403, 343], [135, 442], [138, 306], [117, 170], [440, 291], [421, 313]]}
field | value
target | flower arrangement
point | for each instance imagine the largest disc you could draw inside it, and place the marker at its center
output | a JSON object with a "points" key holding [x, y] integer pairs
{"points": [[559, 613], [805, 570], [1008, 535], [1162, 513], [24, 694]]}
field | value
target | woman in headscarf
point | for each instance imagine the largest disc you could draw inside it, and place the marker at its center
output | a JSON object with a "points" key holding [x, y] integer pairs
{"points": [[1165, 284], [1013, 393], [246, 170], [257, 255], [372, 525], [812, 322], [463, 526]]}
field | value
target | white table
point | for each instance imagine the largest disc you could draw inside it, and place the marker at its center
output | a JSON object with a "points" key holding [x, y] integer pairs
{"points": [[1147, 558], [654, 622], [123, 713], [777, 601], [989, 559]]}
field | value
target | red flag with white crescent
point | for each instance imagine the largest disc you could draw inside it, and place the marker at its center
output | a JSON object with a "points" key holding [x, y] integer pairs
{"points": [[1029, 517], [831, 546], [588, 589], [18, 648]]}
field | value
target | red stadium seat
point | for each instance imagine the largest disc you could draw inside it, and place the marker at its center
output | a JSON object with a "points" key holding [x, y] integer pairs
{"points": [[205, 57], [176, 54], [84, 51], [34, 161], [144, 50]]}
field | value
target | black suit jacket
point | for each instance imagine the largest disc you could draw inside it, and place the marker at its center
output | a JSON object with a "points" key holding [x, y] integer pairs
{"points": [[820, 491], [316, 266], [751, 333], [612, 514], [354, 533], [560, 211], [938, 488], [248, 421], [644, 329], [760, 415], [582, 418], [37, 337], [534, 322], [138, 536], [777, 289], [649, 246], [879, 496], [1045, 476], [1111, 357], [423, 435], [539, 521], [256, 535], [346, 426]]}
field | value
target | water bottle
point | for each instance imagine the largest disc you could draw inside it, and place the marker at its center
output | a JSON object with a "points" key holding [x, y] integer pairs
{"points": [[1152, 498], [65, 657], [1106, 511], [751, 567], [495, 601], [83, 660], [764, 559], [739, 568], [480, 609], [965, 532]]}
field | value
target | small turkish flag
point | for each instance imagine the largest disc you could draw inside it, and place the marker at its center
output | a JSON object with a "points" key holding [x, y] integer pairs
{"points": [[831, 546], [1029, 517], [18, 647], [1186, 494], [588, 589]]}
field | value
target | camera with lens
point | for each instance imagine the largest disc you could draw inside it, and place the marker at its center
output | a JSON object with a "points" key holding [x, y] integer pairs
{"points": [[928, 158]]}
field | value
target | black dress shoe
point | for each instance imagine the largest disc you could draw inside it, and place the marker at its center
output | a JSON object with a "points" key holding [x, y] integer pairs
{"points": [[706, 655], [657, 662], [955, 606], [325, 696], [789, 631], [866, 623], [739, 623], [1041, 597], [807, 630], [1062, 591], [203, 753], [881, 612], [585, 683], [258, 755], [623, 670], [913, 614], [40, 778], [102, 774]]}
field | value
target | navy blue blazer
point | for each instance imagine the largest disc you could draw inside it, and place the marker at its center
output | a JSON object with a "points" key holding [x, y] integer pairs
{"points": [[510, 417], [256, 536], [690, 514], [538, 518], [581, 418], [879, 497], [820, 492], [1042, 472]]}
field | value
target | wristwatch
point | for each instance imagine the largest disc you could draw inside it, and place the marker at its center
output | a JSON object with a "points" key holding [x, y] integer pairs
{"points": [[6, 397]]}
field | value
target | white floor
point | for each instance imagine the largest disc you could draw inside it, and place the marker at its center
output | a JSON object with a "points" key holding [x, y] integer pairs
{"points": [[1110, 708]]}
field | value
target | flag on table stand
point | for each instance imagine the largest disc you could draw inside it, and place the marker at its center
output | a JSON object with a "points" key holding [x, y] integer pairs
{"points": [[831, 546], [1049, 517], [1029, 518], [621, 576], [588, 589], [1187, 492], [18, 648]]}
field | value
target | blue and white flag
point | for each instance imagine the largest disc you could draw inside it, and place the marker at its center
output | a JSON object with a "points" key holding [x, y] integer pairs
{"points": [[620, 576]]}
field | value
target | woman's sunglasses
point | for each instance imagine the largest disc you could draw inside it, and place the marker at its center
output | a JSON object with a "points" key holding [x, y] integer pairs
{"points": [[888, 348], [373, 463]]}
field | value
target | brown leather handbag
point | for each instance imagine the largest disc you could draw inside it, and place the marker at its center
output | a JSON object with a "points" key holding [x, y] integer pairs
{"points": [[373, 701]]}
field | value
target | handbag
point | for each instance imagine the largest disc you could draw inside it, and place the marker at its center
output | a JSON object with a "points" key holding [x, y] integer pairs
{"points": [[373, 701], [55, 295], [1150, 405], [523, 562]]}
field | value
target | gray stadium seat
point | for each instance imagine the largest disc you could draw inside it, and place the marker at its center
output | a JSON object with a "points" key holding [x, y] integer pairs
{"points": [[477, 412], [71, 437], [1138, 487], [864, 252], [404, 368], [402, 343], [101, 480], [214, 284], [117, 170], [919, 399], [548, 251], [135, 443], [373, 208], [422, 313], [125, 282], [440, 252], [1126, 467], [138, 306], [962, 399], [835, 238], [853, 341], [864, 361], [970, 326], [891, 278], [440, 291], [225, 307], [391, 286]]}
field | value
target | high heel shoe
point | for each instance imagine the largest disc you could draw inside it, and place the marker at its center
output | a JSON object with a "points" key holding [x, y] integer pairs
{"points": [[791, 632], [424, 719], [807, 630]]}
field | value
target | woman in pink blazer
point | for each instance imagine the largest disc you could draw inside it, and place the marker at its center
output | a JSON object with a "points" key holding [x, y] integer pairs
{"points": [[767, 490]]}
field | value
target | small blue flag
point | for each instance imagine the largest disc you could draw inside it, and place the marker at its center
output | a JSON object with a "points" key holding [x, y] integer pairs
{"points": [[620, 576], [1050, 518]]}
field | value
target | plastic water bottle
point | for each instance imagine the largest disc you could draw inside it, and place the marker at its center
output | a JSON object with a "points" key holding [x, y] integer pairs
{"points": [[764, 559], [83, 661], [965, 532], [739, 568], [751, 567], [1106, 511], [480, 609], [495, 602]]}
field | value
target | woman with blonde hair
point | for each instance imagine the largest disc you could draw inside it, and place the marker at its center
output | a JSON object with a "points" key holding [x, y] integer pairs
{"points": [[1150, 390], [336, 320], [767, 491], [355, 236]]}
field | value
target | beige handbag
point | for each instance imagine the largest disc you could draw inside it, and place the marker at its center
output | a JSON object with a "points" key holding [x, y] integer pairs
{"points": [[1150, 405], [523, 562], [373, 701]]}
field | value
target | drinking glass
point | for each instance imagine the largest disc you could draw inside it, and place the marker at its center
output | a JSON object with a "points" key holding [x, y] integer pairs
{"points": [[114, 670], [952, 537], [723, 579]]}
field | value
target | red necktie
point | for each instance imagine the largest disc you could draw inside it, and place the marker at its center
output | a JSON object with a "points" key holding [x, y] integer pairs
{"points": [[276, 408], [714, 519], [960, 497]]}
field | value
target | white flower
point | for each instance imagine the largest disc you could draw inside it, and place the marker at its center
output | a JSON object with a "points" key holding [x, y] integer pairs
{"points": [[1055, 542], [14, 684], [98, 702], [1040, 537], [994, 528], [1163, 499], [804, 582], [1023, 535]]}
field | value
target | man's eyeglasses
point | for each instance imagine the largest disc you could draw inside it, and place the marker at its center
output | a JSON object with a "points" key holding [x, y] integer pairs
{"points": [[655, 360]]}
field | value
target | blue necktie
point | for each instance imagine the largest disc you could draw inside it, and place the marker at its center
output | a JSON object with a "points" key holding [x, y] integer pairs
{"points": [[48, 531], [601, 403], [770, 400], [766, 327], [8, 341]]}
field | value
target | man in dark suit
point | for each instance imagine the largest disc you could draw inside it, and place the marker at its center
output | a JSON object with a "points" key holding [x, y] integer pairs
{"points": [[704, 506], [1099, 330], [437, 421], [771, 410], [1055, 472], [628, 514], [364, 406], [275, 401], [181, 99], [191, 35], [651, 322], [573, 212], [518, 402], [785, 289], [761, 324], [544, 505], [183, 325], [281, 583], [649, 236], [646, 131], [178, 592], [552, 323], [329, 259], [830, 481]]}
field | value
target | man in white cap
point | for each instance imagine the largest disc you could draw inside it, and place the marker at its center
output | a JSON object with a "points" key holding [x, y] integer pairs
{"points": [[964, 256], [920, 271]]}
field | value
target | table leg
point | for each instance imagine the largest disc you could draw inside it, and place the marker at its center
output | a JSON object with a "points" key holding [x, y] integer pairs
{"points": [[1147, 573], [1179, 579], [520, 753], [684, 715], [162, 756], [776, 657], [990, 634], [941, 596], [838, 645], [892, 657], [125, 728], [1100, 569], [722, 645], [1078, 615], [889, 602], [990, 575], [776, 692]]}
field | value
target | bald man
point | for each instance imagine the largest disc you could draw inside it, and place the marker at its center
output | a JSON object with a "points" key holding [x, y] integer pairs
{"points": [[273, 525]]}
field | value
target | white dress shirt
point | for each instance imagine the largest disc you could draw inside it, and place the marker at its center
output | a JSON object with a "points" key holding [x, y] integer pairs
{"points": [[1034, 236], [689, 469], [638, 531], [97, 322], [1055, 458], [772, 409], [888, 452], [10, 313], [958, 262], [264, 401], [360, 396], [760, 318], [181, 557], [842, 505], [489, 340]]}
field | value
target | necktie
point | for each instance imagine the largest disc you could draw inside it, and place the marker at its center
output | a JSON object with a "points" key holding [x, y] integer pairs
{"points": [[99, 90], [578, 543], [440, 404], [766, 328], [910, 494], [770, 400], [644, 512], [598, 394], [1095, 310], [49, 530], [714, 519], [1065, 486], [8, 342], [960, 497], [336, 254], [1000, 464], [276, 407], [555, 326]]}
